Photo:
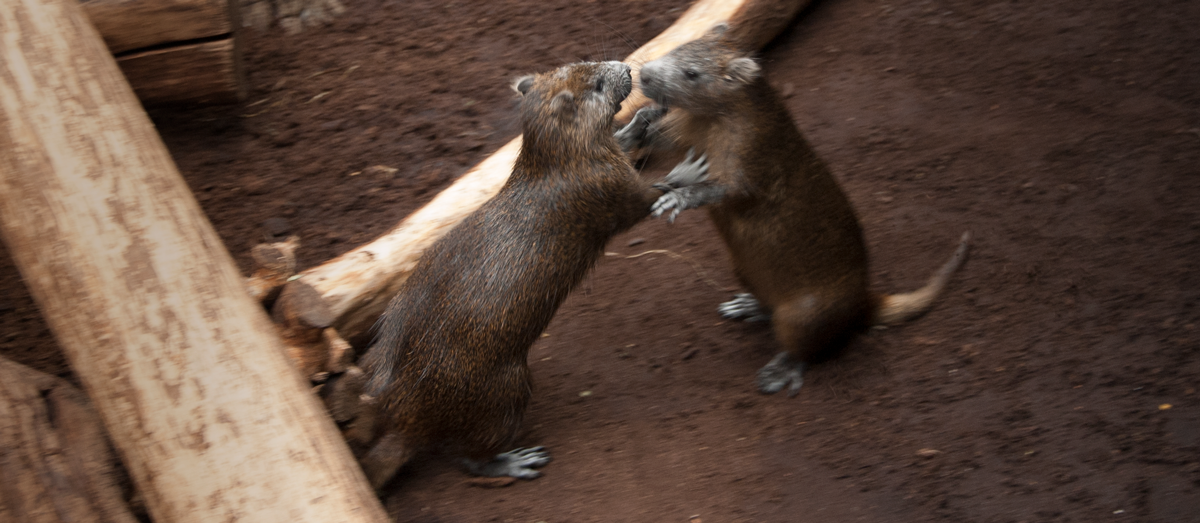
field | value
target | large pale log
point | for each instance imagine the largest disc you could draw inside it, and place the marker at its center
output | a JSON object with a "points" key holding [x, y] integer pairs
{"points": [[358, 284], [55, 460], [210, 419]]}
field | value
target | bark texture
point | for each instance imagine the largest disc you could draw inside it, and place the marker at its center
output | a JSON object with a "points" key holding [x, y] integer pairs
{"points": [[210, 419]]}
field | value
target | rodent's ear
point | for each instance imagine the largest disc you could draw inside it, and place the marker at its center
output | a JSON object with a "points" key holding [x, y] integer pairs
{"points": [[743, 69], [562, 102], [523, 84]]}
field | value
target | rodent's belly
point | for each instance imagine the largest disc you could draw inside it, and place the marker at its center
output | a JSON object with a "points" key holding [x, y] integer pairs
{"points": [[778, 260]]}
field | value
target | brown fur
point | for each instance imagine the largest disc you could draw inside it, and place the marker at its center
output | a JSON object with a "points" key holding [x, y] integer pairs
{"points": [[449, 366], [793, 236]]}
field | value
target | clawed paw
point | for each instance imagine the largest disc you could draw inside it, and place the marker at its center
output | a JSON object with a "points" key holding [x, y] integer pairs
{"points": [[672, 202], [634, 134], [689, 171], [517, 463], [780, 373], [744, 306]]}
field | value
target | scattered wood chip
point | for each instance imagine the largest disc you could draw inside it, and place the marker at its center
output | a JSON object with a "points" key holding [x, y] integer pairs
{"points": [[491, 482], [928, 453]]}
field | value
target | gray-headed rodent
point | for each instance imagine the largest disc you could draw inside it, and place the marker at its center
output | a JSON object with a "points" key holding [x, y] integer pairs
{"points": [[792, 234]]}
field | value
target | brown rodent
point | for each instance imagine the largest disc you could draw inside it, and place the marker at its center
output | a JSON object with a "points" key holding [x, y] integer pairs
{"points": [[448, 369], [793, 236]]}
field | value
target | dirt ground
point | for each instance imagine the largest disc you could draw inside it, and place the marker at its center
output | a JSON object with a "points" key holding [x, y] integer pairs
{"points": [[1055, 381]]}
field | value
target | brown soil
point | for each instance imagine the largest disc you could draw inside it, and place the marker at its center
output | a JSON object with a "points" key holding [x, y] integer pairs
{"points": [[1056, 380]]}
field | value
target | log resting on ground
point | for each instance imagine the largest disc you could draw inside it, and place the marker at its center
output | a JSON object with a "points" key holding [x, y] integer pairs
{"points": [[186, 371]]}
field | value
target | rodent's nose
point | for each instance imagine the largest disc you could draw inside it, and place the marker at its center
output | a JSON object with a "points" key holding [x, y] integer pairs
{"points": [[621, 66]]}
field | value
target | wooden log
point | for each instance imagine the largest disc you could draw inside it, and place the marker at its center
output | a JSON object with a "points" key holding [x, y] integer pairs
{"points": [[126, 25], [174, 51], [56, 462], [203, 73], [358, 285], [209, 418]]}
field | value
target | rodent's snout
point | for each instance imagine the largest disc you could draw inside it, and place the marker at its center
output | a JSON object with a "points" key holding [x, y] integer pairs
{"points": [[650, 78], [650, 74], [625, 75], [626, 82]]}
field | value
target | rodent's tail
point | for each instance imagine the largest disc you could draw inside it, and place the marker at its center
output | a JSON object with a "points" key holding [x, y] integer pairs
{"points": [[891, 309]]}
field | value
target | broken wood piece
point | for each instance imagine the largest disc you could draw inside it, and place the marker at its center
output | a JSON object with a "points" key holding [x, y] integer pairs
{"points": [[56, 461], [302, 317], [274, 263], [304, 321], [359, 284]]}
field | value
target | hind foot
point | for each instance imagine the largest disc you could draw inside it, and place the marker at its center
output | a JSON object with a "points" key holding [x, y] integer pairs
{"points": [[779, 373], [744, 306], [518, 463]]}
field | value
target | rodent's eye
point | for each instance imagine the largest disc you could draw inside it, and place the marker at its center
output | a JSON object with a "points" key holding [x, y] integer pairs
{"points": [[600, 84], [691, 74]]}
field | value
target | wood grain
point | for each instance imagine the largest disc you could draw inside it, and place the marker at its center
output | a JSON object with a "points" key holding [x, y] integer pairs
{"points": [[203, 73], [211, 421]]}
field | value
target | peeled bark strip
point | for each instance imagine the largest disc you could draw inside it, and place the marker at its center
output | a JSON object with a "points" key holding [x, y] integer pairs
{"points": [[185, 370], [55, 460], [358, 285]]}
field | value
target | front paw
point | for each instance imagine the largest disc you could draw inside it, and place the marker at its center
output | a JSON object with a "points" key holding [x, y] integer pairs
{"points": [[671, 202], [634, 134], [689, 171]]}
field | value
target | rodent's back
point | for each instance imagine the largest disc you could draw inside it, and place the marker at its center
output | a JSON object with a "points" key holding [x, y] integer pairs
{"points": [[476, 301], [450, 364]]}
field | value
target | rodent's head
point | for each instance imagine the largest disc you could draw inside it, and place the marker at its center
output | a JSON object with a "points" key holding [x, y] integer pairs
{"points": [[576, 98], [699, 75]]}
